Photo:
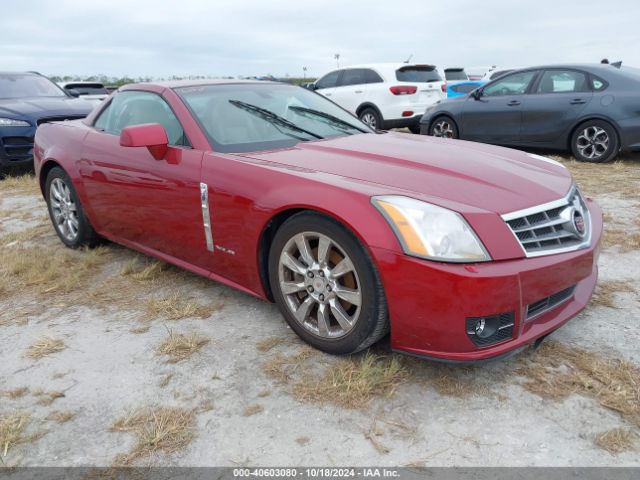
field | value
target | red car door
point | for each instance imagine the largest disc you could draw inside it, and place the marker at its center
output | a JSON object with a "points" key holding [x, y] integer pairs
{"points": [[136, 198]]}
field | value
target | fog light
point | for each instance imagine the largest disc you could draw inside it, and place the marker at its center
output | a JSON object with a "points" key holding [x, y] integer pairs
{"points": [[491, 329], [485, 327]]}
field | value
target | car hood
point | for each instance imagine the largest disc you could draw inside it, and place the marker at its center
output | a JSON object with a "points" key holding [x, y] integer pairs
{"points": [[452, 173], [40, 107]]}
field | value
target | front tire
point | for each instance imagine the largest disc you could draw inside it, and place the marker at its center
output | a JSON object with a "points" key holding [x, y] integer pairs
{"points": [[595, 141], [326, 285], [443, 127], [65, 211]]}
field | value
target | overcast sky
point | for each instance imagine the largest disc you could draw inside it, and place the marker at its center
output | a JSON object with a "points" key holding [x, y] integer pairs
{"points": [[219, 37]]}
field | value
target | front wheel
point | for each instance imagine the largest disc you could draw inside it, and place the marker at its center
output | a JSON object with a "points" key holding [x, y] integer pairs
{"points": [[595, 141], [66, 212], [326, 285], [443, 127]]}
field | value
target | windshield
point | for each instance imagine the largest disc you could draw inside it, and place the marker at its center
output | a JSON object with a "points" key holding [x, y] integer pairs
{"points": [[22, 85], [418, 73], [252, 117], [455, 74], [87, 88]]}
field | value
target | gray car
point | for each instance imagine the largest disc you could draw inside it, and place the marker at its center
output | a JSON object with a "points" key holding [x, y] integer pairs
{"points": [[592, 110]]}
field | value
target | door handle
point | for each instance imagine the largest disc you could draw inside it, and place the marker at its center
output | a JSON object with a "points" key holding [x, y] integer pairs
{"points": [[327, 94], [358, 91], [578, 101], [513, 103]]}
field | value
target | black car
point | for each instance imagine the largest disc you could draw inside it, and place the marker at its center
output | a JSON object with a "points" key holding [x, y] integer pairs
{"points": [[26, 101], [592, 110]]}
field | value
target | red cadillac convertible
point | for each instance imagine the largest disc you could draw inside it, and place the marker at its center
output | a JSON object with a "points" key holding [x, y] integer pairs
{"points": [[462, 251]]}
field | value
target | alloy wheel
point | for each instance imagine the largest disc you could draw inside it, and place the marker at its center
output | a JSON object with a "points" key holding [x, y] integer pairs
{"points": [[320, 285], [593, 142], [442, 129], [64, 209], [369, 119]]}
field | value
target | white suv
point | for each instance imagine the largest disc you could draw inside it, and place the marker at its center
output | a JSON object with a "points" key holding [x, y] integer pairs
{"points": [[385, 95]]}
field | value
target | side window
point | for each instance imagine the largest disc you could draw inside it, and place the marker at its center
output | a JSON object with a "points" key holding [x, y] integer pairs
{"points": [[330, 80], [352, 76], [598, 84], [135, 108], [371, 76], [562, 81], [514, 84]]}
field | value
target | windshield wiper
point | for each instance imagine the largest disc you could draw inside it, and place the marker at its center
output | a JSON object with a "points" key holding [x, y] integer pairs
{"points": [[331, 119], [272, 118]]}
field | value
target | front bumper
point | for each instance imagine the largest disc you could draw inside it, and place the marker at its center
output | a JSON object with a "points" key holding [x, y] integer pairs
{"points": [[429, 302], [16, 146]]}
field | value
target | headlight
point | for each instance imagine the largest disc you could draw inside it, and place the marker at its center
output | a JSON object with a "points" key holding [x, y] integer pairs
{"points": [[431, 232], [10, 122]]}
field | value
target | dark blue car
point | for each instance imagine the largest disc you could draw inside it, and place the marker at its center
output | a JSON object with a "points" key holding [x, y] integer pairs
{"points": [[592, 110], [26, 101]]}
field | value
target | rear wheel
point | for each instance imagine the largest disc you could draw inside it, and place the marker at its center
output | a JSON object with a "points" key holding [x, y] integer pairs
{"points": [[595, 141], [66, 212], [371, 117], [326, 286], [443, 127]]}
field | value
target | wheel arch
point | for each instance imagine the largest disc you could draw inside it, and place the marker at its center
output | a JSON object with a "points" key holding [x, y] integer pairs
{"points": [[588, 118], [368, 105], [46, 167], [270, 228], [438, 115]]}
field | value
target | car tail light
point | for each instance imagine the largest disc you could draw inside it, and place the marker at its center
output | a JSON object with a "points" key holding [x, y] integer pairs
{"points": [[444, 88], [408, 113], [403, 89]]}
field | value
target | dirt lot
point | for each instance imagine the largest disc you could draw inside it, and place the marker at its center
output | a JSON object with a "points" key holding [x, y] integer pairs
{"points": [[111, 358]]}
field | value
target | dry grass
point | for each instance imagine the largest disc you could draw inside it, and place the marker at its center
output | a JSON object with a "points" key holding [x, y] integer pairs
{"points": [[302, 441], [50, 270], [621, 237], [354, 382], [282, 368], [15, 393], [174, 307], [60, 416], [28, 234], [605, 293], [44, 346], [12, 429], [452, 385], [557, 371], [372, 435], [595, 179], [144, 269], [159, 430], [23, 184], [269, 343], [179, 346], [616, 440], [252, 410], [47, 398]]}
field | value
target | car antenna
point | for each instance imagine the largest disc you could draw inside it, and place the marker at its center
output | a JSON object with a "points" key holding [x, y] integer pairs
{"points": [[617, 64], [409, 59]]}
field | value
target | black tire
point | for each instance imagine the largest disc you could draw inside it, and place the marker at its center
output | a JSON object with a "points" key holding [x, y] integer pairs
{"points": [[415, 129], [443, 127], [85, 234], [371, 117], [372, 322], [595, 141]]}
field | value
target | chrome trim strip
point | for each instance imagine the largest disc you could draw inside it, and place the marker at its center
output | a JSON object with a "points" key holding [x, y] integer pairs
{"points": [[206, 216], [540, 208]]}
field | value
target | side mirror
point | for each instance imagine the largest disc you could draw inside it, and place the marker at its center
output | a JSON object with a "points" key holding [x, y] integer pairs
{"points": [[72, 92], [312, 86], [477, 93], [150, 135]]}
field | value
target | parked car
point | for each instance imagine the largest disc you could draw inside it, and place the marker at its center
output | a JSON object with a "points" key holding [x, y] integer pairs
{"points": [[93, 92], [27, 100], [386, 95], [455, 74], [460, 89], [590, 109], [278, 192]]}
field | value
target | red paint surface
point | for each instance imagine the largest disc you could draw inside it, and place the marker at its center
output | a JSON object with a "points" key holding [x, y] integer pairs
{"points": [[154, 206]]}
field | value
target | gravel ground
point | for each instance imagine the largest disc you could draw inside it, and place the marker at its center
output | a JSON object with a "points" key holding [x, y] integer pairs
{"points": [[250, 394]]}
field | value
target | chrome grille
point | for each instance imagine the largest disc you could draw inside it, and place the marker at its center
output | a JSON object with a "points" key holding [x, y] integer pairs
{"points": [[553, 227]]}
